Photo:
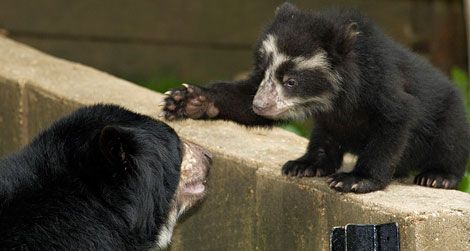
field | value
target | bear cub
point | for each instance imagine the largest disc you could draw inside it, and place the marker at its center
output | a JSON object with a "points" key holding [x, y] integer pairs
{"points": [[368, 96]]}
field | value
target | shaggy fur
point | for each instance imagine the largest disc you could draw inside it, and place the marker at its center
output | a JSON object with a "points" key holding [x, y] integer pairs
{"points": [[102, 178], [368, 95]]}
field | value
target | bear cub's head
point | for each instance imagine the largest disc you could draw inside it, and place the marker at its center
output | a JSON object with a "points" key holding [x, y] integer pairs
{"points": [[301, 57]]}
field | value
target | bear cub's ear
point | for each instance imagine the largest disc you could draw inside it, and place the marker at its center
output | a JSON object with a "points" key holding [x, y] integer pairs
{"points": [[347, 37], [286, 9], [116, 145], [341, 41]]}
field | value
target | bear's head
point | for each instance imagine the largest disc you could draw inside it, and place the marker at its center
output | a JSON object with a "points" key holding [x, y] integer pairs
{"points": [[134, 166]]}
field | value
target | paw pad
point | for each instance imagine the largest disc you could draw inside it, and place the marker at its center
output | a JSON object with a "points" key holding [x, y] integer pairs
{"points": [[188, 102]]}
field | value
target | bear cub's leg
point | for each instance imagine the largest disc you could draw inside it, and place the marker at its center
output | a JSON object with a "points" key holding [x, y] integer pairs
{"points": [[323, 157]]}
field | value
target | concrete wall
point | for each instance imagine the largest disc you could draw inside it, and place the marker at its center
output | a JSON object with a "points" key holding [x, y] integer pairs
{"points": [[250, 205], [201, 40]]}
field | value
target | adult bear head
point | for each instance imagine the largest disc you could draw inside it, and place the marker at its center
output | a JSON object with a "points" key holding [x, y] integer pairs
{"points": [[102, 177]]}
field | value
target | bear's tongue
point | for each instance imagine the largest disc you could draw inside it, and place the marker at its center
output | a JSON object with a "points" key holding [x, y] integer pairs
{"points": [[194, 188]]}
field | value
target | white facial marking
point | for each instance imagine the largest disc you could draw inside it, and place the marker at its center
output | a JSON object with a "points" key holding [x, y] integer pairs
{"points": [[269, 47], [192, 171], [318, 60], [295, 107], [303, 108], [166, 232]]}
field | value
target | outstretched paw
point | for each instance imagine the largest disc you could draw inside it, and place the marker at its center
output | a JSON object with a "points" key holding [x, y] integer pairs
{"points": [[437, 179], [303, 169], [348, 182], [188, 102]]}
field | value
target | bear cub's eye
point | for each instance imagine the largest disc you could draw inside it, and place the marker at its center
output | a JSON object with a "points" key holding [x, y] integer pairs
{"points": [[290, 82]]}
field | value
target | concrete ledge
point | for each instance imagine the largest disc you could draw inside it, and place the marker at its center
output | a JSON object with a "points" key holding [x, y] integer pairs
{"points": [[11, 123], [250, 205]]}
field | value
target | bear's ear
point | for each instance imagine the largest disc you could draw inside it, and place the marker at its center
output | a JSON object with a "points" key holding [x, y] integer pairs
{"points": [[340, 41], [347, 38], [286, 9], [115, 144]]}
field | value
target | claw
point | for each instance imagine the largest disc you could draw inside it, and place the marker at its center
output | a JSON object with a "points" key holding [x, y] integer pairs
{"points": [[428, 182], [163, 103], [333, 184], [446, 184], [161, 115], [339, 185], [308, 172], [423, 181], [167, 93], [185, 85], [354, 187]]}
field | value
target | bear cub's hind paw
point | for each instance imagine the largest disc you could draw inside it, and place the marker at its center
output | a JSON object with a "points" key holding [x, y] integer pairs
{"points": [[436, 179]]}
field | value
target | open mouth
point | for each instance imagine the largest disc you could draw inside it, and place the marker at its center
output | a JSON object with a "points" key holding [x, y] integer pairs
{"points": [[194, 187], [194, 171], [191, 188]]}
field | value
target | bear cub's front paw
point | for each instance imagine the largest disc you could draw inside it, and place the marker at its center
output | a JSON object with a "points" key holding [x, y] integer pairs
{"points": [[301, 168], [188, 102], [348, 182]]}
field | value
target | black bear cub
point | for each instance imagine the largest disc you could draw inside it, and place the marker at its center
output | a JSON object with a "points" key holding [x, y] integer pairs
{"points": [[368, 95], [102, 178]]}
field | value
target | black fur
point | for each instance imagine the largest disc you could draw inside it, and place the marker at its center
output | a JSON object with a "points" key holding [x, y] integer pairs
{"points": [[392, 108], [101, 178]]}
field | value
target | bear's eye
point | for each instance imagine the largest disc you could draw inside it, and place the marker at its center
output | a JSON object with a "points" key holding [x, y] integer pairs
{"points": [[290, 82]]}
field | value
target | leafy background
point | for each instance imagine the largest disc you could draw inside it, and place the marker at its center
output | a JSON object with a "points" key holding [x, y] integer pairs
{"points": [[166, 81]]}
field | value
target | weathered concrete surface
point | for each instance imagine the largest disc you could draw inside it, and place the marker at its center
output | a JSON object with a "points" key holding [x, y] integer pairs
{"points": [[42, 109], [231, 215], [250, 205], [11, 111]]}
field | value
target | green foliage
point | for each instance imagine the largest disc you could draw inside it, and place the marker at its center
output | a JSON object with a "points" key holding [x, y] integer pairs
{"points": [[460, 78], [465, 183], [297, 127], [161, 84]]}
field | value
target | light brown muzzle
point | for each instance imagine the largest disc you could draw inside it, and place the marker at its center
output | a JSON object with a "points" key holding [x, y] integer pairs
{"points": [[193, 177]]}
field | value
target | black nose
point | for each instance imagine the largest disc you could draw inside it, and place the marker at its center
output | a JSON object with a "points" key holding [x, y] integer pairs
{"points": [[258, 108]]}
